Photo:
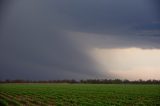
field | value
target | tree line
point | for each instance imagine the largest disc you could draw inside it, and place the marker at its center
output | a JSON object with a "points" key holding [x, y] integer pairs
{"points": [[87, 81]]}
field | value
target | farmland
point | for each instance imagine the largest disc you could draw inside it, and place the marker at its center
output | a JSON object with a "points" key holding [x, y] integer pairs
{"points": [[79, 95]]}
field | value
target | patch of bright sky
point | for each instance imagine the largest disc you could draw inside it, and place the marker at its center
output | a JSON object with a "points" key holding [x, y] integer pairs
{"points": [[129, 63]]}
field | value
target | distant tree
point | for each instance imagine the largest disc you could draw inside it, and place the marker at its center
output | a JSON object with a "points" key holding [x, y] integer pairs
{"points": [[90, 81]]}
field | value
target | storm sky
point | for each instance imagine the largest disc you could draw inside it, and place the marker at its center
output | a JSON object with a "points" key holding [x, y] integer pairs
{"points": [[79, 39]]}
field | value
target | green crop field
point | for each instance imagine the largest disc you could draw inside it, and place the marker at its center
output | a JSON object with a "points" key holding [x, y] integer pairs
{"points": [[79, 95]]}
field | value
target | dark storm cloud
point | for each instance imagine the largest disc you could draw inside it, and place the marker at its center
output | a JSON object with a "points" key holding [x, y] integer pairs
{"points": [[35, 35]]}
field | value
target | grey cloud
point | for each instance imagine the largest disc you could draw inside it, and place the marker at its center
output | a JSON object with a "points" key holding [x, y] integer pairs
{"points": [[36, 40], [32, 48]]}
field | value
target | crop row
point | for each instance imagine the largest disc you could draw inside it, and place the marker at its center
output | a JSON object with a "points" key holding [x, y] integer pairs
{"points": [[79, 95], [25, 100]]}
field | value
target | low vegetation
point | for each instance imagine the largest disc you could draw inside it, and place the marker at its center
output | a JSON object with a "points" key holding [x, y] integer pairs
{"points": [[64, 94]]}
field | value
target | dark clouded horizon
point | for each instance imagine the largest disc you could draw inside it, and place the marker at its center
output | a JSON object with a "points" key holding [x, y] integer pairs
{"points": [[43, 40]]}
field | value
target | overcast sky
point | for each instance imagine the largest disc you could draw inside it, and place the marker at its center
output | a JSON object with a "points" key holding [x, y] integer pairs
{"points": [[79, 39]]}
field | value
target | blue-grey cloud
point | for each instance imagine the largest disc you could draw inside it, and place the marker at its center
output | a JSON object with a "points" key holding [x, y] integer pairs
{"points": [[37, 38]]}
